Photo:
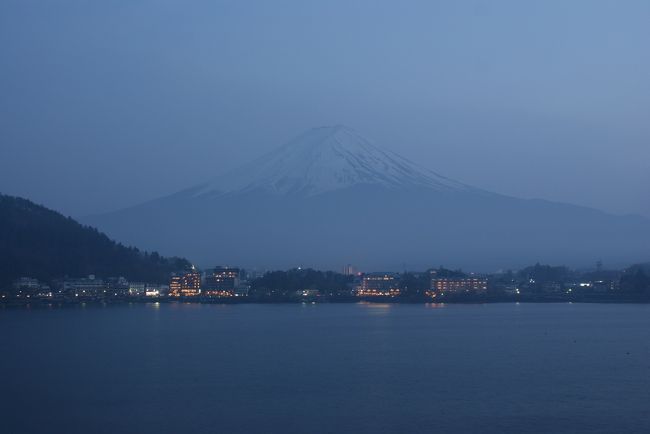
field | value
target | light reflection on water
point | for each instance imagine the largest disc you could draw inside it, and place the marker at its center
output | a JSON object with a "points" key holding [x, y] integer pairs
{"points": [[376, 308]]}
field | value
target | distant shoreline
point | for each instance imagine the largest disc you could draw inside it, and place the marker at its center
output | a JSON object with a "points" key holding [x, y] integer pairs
{"points": [[13, 303]]}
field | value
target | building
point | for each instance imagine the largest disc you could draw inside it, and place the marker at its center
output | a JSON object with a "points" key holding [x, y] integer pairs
{"points": [[187, 284], [85, 287], [140, 289], [156, 290], [455, 285], [604, 286], [31, 288], [243, 288], [136, 289], [222, 282], [27, 284], [308, 293], [175, 285], [378, 285], [191, 284], [117, 286]]}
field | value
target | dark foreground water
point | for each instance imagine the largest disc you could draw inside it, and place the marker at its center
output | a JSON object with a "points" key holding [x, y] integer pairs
{"points": [[364, 368]]}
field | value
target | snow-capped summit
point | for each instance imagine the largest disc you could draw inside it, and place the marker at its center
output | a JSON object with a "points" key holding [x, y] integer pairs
{"points": [[326, 159]]}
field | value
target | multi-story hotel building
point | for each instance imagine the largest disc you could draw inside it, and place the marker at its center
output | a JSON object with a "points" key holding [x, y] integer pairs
{"points": [[221, 282], [378, 285], [187, 284], [441, 285], [191, 284]]}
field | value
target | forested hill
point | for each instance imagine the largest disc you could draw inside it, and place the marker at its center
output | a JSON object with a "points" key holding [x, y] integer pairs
{"points": [[38, 242]]}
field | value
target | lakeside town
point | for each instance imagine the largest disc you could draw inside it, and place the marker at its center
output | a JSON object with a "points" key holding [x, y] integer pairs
{"points": [[228, 284]]}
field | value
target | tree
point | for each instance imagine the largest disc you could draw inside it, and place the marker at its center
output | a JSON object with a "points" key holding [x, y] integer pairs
{"points": [[635, 281]]}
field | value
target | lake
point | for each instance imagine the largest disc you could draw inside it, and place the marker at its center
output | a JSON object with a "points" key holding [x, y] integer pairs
{"points": [[326, 368]]}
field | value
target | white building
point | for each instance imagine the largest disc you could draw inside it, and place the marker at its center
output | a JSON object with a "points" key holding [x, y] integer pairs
{"points": [[85, 286]]}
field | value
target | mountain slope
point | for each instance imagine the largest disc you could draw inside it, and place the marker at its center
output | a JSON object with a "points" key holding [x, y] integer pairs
{"points": [[329, 198], [327, 159], [41, 243]]}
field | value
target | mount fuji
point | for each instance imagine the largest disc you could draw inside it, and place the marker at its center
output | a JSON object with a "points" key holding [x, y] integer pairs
{"points": [[326, 159], [330, 197]]}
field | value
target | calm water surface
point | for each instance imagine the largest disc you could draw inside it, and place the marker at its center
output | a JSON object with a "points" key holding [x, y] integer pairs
{"points": [[326, 368]]}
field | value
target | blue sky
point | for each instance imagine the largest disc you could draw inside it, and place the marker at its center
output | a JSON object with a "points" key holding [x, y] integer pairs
{"points": [[106, 104]]}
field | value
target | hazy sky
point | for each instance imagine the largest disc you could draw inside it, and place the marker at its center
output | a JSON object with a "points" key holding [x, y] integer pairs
{"points": [[104, 104]]}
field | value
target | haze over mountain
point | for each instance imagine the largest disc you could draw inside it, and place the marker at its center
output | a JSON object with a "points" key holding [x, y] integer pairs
{"points": [[330, 197]]}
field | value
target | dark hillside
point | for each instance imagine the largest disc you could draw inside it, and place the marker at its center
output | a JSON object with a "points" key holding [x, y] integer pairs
{"points": [[38, 242]]}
